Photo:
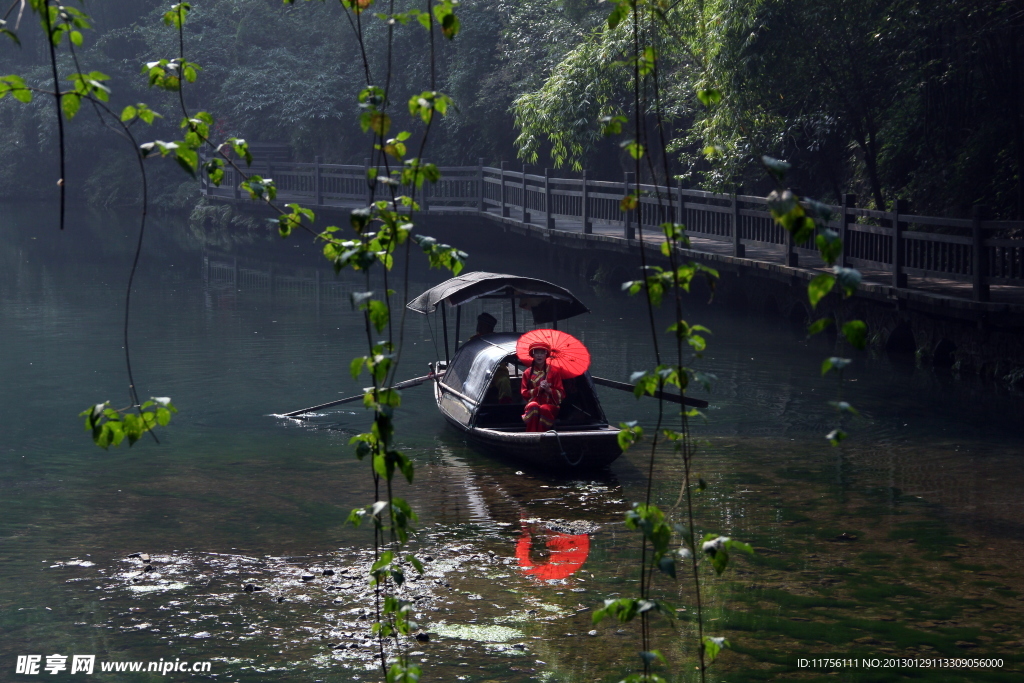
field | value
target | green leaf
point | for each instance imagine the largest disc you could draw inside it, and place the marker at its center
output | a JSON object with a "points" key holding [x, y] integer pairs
{"points": [[379, 123], [712, 647], [215, 171], [776, 167], [70, 103], [843, 407], [714, 151], [739, 546], [620, 12], [387, 556], [176, 16], [834, 363], [856, 332], [241, 148], [445, 15], [188, 159], [379, 314], [15, 85], [414, 561], [629, 434], [651, 657], [716, 548], [821, 285], [647, 61], [4, 31], [835, 436], [829, 245], [709, 96], [635, 149], [818, 326], [667, 565], [848, 278], [612, 125]]}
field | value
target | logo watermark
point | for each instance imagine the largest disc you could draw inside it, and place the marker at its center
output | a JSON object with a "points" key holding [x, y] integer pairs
{"points": [[32, 665]]}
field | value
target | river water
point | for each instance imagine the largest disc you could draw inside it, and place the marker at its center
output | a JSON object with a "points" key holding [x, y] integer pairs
{"points": [[905, 542]]}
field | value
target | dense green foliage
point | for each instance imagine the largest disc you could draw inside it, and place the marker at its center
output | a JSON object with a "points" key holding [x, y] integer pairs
{"points": [[885, 98], [271, 73]]}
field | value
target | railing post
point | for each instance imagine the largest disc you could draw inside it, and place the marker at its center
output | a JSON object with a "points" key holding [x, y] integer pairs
{"points": [[236, 175], [899, 278], [366, 179], [588, 227], [738, 250], [980, 288], [504, 204], [628, 231], [480, 184], [678, 189], [792, 258], [317, 192], [549, 222], [526, 213], [847, 217]]}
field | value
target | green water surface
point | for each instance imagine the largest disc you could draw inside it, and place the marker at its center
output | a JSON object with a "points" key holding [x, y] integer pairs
{"points": [[905, 543]]}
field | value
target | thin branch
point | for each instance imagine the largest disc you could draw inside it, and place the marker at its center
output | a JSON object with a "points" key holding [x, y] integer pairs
{"points": [[57, 98]]}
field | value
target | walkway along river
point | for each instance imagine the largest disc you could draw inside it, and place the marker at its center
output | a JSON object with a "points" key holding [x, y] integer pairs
{"points": [[948, 291]]}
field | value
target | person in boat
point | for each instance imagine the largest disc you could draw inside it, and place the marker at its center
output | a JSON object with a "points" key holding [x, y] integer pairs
{"points": [[502, 384], [485, 323], [542, 390]]}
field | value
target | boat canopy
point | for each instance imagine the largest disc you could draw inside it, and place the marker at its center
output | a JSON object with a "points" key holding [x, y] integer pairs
{"points": [[548, 302], [473, 367]]}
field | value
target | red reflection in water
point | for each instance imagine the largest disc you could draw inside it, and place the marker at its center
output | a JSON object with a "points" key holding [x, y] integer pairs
{"points": [[568, 552]]}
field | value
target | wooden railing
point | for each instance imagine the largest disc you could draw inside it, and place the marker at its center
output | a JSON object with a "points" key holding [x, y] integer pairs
{"points": [[976, 251]]}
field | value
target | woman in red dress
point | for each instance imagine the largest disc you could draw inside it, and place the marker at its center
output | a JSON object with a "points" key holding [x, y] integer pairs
{"points": [[542, 390]]}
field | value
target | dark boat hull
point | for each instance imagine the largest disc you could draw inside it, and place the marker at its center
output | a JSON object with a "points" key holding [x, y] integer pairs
{"points": [[563, 451]]}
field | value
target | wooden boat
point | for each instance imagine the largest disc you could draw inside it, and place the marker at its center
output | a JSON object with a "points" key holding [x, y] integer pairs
{"points": [[467, 392]]}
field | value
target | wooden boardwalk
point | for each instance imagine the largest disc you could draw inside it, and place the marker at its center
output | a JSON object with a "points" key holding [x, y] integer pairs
{"points": [[963, 264]]}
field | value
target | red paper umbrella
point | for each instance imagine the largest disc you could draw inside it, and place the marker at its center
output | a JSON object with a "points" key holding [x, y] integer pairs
{"points": [[568, 354]]}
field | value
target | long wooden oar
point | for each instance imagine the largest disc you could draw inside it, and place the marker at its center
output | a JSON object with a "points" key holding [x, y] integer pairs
{"points": [[416, 381], [685, 400]]}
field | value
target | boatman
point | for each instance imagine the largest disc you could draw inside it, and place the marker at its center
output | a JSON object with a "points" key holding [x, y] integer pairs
{"points": [[542, 390], [485, 323]]}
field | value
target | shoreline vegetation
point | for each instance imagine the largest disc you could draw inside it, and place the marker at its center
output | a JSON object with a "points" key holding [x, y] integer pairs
{"points": [[872, 99]]}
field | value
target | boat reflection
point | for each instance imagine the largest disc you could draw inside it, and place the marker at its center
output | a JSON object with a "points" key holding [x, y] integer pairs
{"points": [[566, 553]]}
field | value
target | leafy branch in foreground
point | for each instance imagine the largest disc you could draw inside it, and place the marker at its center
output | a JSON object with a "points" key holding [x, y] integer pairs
{"points": [[666, 548], [802, 218], [110, 426]]}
